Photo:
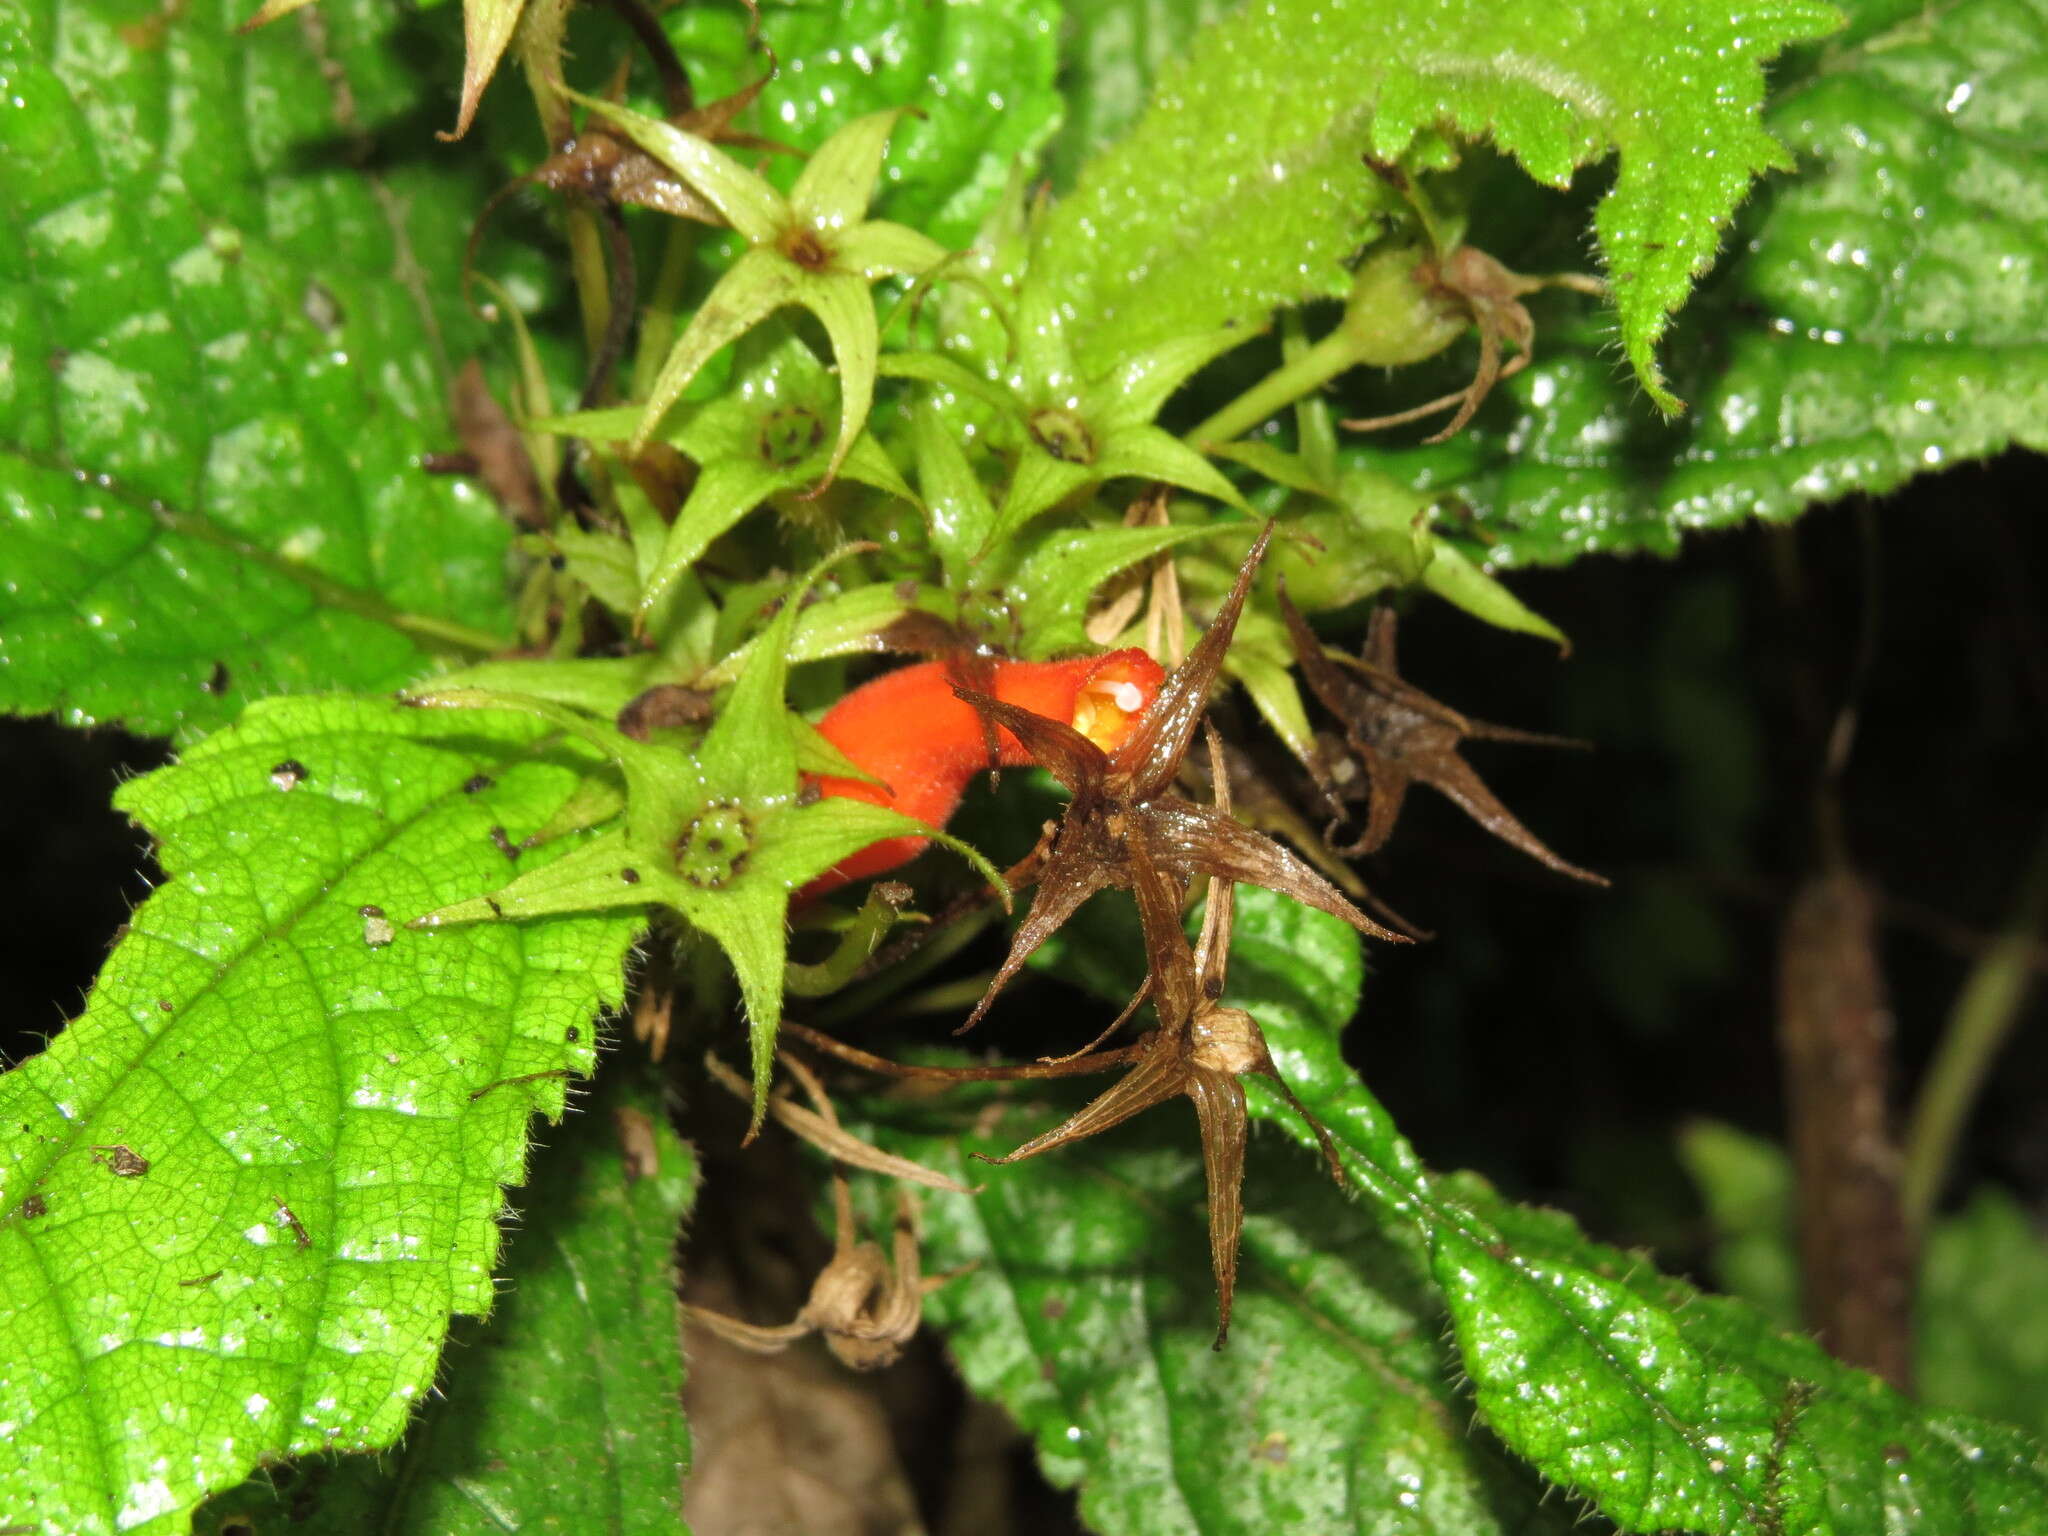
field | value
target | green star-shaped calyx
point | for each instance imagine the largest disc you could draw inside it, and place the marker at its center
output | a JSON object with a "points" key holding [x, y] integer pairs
{"points": [[721, 838], [814, 249]]}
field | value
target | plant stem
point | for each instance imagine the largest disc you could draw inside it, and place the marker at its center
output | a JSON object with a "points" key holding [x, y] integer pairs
{"points": [[1298, 376], [1982, 1017], [1315, 424], [658, 316]]}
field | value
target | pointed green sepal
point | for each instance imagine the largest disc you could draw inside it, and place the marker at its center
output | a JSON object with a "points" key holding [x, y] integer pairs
{"points": [[752, 206], [603, 875], [1054, 584], [1041, 483], [753, 288], [880, 249], [1150, 453], [957, 508], [1136, 389], [1455, 578], [838, 181], [843, 306], [487, 26]]}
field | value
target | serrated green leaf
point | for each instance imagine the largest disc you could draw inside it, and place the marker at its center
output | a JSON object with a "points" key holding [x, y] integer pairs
{"points": [[979, 73], [229, 348], [588, 1309], [327, 1109], [1980, 1338], [1262, 131], [1668, 1409], [1090, 1317], [1881, 312]]}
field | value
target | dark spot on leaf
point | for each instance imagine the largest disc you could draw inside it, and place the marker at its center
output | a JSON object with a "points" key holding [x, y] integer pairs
{"points": [[558, 562], [59, 359], [572, 1034], [289, 774], [477, 783], [503, 843], [377, 929], [121, 1160], [164, 1003], [630, 876], [496, 910], [810, 793], [1896, 1455], [1053, 1309], [217, 680], [34, 1206], [204, 1280], [451, 463]]}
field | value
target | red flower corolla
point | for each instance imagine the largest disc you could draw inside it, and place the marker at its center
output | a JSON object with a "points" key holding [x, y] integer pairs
{"points": [[910, 731]]}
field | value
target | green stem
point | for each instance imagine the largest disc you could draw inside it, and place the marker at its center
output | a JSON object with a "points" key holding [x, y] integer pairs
{"points": [[942, 946], [1315, 424], [658, 315], [1983, 1015], [1298, 376], [875, 918]]}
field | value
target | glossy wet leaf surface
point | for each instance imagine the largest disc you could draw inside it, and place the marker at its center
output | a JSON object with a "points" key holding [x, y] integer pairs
{"points": [[981, 75], [1263, 131], [1666, 1408], [1092, 1314], [228, 343], [1880, 312], [562, 1412], [327, 1103]]}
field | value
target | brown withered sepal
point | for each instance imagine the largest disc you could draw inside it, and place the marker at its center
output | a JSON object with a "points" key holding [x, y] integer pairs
{"points": [[1201, 1049], [1125, 827], [1402, 737]]}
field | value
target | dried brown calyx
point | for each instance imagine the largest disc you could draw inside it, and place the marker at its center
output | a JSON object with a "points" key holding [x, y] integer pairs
{"points": [[1401, 737], [1467, 278], [1127, 829], [1201, 1049]]}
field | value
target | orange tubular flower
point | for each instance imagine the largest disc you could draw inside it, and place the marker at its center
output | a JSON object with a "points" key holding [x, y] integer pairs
{"points": [[908, 730]]}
